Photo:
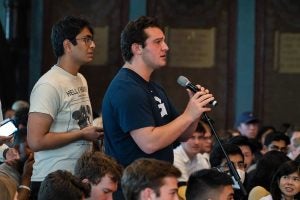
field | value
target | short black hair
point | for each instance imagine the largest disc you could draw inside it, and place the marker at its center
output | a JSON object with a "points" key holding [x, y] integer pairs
{"points": [[276, 136], [67, 28], [241, 140], [204, 184], [217, 155]]}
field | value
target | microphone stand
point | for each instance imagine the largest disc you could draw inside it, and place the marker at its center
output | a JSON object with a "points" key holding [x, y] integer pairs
{"points": [[231, 166]]}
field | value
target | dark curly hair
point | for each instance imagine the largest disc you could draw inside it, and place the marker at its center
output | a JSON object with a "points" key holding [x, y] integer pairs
{"points": [[134, 33]]}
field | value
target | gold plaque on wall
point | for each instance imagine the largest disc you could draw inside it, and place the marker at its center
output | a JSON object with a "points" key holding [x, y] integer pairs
{"points": [[193, 48], [287, 52]]}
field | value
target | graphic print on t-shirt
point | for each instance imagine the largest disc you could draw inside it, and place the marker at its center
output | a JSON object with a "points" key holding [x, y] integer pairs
{"points": [[82, 116], [161, 106]]}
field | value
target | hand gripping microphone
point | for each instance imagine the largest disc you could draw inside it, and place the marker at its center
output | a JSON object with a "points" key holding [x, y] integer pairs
{"points": [[184, 82]]}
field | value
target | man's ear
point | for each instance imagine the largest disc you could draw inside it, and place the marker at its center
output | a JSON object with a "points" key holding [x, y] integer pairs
{"points": [[147, 194], [85, 180], [136, 48], [67, 45]]}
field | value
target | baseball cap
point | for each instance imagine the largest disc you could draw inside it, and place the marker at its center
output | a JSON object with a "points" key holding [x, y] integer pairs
{"points": [[246, 117]]}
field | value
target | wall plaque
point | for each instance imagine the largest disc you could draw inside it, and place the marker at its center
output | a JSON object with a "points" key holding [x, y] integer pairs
{"points": [[287, 52], [193, 48]]}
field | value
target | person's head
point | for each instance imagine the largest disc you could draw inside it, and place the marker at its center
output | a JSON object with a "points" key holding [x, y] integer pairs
{"points": [[266, 167], [21, 117], [61, 185], [209, 184], [247, 124], [263, 132], [69, 32], [19, 104], [246, 147], [276, 141], [16, 106], [199, 142], [286, 181], [294, 143], [144, 37], [218, 159], [101, 172], [150, 179]]}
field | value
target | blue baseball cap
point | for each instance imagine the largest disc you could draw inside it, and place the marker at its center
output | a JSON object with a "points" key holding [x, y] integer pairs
{"points": [[246, 117]]}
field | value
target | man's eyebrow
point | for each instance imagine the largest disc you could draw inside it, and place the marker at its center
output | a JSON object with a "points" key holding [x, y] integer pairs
{"points": [[159, 38]]}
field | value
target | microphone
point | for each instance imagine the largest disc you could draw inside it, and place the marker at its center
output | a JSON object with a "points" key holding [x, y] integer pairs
{"points": [[184, 82]]}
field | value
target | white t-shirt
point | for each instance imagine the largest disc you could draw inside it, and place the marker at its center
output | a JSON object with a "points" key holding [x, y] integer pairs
{"points": [[65, 98], [187, 166]]}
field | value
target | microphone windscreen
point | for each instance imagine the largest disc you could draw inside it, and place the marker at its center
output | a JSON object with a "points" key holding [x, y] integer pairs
{"points": [[183, 81]]}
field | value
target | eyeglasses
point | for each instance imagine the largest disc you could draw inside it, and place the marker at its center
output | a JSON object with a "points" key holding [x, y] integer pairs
{"points": [[88, 40], [239, 165]]}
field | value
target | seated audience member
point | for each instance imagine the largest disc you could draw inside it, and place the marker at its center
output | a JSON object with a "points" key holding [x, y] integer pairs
{"points": [[19, 169], [263, 132], [294, 149], [246, 147], [209, 184], [192, 155], [20, 120], [17, 105], [235, 155], [265, 169], [247, 124], [62, 185], [276, 141], [150, 179], [285, 183], [101, 172]]}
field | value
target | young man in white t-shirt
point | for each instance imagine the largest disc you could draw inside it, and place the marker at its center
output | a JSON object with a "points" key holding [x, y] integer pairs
{"points": [[60, 117], [193, 154]]}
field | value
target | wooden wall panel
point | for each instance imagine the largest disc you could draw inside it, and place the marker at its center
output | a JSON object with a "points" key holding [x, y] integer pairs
{"points": [[277, 93], [218, 14]]}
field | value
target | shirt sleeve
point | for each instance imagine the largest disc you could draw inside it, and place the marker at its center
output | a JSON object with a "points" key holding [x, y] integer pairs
{"points": [[44, 98]]}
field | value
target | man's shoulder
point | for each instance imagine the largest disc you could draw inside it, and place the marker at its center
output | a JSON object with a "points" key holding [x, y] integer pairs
{"points": [[125, 86], [180, 154]]}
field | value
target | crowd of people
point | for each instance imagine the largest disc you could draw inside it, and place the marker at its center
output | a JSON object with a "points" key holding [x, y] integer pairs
{"points": [[150, 150]]}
